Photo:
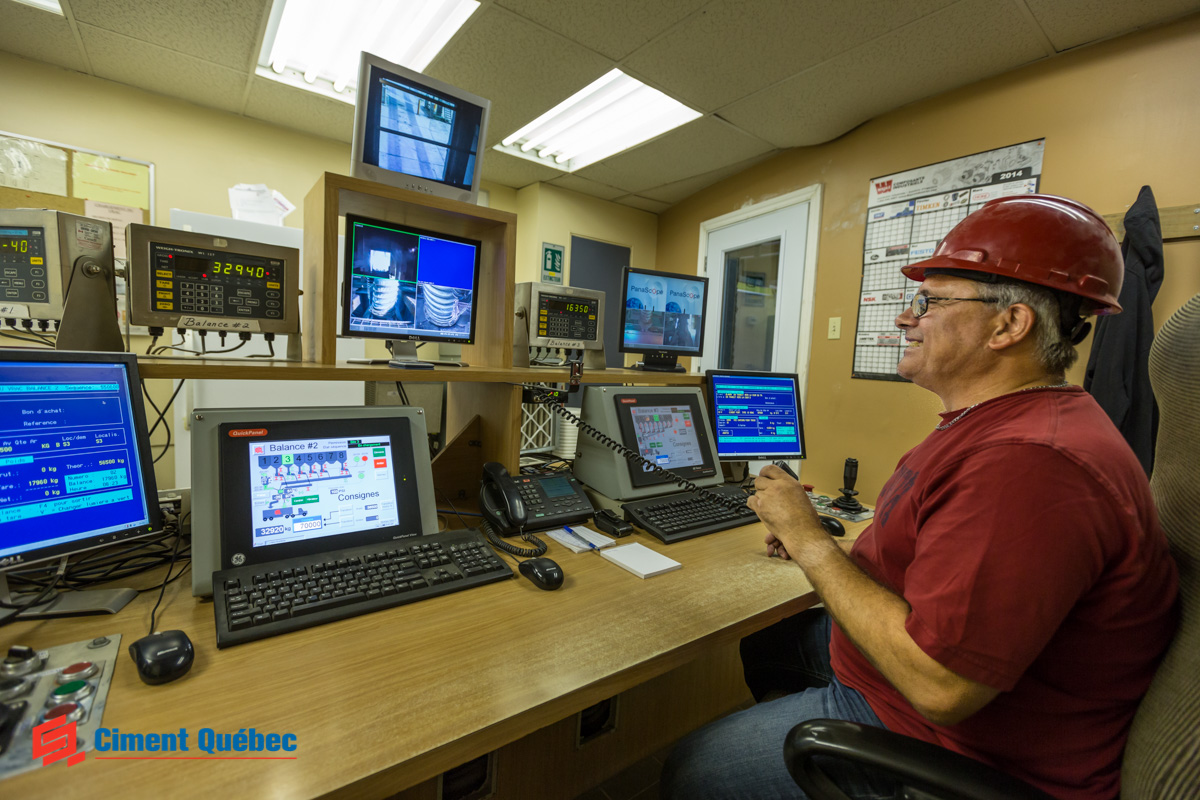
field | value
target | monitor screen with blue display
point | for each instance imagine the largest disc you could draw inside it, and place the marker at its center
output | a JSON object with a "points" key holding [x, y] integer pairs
{"points": [[756, 415], [663, 317], [75, 471]]}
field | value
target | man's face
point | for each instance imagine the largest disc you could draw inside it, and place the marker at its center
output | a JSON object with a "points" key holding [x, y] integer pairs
{"points": [[947, 346]]}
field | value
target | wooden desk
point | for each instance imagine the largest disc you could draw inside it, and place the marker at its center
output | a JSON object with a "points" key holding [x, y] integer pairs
{"points": [[385, 701]]}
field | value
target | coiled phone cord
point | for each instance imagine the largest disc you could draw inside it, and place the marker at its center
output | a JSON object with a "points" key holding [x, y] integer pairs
{"points": [[538, 549], [559, 408]]}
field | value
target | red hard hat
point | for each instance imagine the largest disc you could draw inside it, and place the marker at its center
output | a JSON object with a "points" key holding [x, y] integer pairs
{"points": [[1038, 238]]}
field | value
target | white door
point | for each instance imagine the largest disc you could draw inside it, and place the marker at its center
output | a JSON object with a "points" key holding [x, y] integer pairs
{"points": [[761, 267]]}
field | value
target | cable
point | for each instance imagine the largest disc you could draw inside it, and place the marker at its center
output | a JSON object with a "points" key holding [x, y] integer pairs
{"points": [[31, 338], [559, 407], [539, 546], [166, 580], [161, 415]]}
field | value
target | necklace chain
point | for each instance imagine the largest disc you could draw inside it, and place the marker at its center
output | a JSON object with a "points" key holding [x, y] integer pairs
{"points": [[947, 425]]}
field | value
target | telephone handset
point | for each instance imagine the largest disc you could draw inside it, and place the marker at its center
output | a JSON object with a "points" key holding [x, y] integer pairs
{"points": [[500, 500]]}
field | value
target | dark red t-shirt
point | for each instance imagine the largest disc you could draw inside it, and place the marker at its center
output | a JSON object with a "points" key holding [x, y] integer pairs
{"points": [[1026, 541]]}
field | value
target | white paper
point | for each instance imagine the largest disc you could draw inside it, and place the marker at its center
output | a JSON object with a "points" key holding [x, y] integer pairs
{"points": [[256, 202], [32, 166], [573, 544], [119, 216]]}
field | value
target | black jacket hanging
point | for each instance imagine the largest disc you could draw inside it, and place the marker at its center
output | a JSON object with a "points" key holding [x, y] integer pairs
{"points": [[1118, 369]]}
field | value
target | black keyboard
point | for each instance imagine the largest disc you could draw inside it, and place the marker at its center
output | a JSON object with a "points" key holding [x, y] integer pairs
{"points": [[254, 602], [675, 517]]}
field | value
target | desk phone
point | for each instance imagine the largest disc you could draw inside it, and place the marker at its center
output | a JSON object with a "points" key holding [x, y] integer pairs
{"points": [[532, 502]]}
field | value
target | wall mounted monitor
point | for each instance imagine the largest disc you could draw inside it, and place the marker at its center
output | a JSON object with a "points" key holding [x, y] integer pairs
{"points": [[662, 317], [75, 466], [414, 132], [408, 285], [756, 415]]}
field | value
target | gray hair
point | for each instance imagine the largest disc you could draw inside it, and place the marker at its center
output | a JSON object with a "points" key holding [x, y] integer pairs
{"points": [[1054, 351]]}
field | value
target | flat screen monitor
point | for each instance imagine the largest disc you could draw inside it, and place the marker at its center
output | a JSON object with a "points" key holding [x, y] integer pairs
{"points": [[756, 415], [408, 285], [662, 317], [75, 466], [417, 133]]}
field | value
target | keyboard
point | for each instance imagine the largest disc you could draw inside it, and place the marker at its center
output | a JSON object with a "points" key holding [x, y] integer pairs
{"points": [[675, 517], [255, 602]]}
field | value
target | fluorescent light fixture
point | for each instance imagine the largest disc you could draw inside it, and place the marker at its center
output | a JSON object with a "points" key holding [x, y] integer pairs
{"points": [[45, 5], [611, 114], [315, 44]]}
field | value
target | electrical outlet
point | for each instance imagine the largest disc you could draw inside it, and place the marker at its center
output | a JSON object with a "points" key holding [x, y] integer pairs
{"points": [[835, 327]]}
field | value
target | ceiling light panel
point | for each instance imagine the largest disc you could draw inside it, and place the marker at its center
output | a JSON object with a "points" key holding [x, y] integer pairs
{"points": [[315, 44], [614, 113], [52, 6]]}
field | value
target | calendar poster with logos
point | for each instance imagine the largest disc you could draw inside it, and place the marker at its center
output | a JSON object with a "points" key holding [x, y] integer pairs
{"points": [[908, 213]]}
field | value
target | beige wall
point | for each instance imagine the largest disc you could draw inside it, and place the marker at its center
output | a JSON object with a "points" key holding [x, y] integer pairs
{"points": [[1115, 116]]}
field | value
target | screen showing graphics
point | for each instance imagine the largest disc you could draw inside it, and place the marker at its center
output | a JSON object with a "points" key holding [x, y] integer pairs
{"points": [[667, 435], [663, 311], [756, 415], [416, 132], [73, 466], [310, 488], [405, 283]]}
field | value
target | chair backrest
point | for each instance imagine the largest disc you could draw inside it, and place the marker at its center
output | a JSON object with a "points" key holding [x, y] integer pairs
{"points": [[1162, 758]]}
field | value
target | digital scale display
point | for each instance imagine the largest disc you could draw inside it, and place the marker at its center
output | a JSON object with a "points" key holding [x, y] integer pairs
{"points": [[567, 317], [23, 265], [216, 283]]}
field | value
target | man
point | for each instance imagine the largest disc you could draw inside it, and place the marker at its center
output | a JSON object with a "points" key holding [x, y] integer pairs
{"points": [[1014, 593]]}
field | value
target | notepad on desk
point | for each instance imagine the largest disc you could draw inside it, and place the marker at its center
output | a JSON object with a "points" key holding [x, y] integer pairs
{"points": [[640, 560], [579, 539]]}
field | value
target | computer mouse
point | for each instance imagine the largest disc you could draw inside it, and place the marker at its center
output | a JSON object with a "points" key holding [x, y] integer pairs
{"points": [[544, 573], [833, 525], [162, 657]]}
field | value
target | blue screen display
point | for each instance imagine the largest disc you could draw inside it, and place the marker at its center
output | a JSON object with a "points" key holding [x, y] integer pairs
{"points": [[664, 312], [757, 417], [69, 463]]}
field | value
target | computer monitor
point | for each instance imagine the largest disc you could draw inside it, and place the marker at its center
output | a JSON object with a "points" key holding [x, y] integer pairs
{"points": [[662, 317], [408, 285], [417, 133], [668, 425], [756, 415], [75, 466]]}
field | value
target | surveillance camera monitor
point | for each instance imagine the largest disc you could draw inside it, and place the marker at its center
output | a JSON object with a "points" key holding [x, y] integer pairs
{"points": [[408, 285], [414, 132], [662, 317], [756, 415]]}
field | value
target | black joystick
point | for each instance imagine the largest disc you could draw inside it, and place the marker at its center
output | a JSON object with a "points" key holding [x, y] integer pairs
{"points": [[847, 502]]}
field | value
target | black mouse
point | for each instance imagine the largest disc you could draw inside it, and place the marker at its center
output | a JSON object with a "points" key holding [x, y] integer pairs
{"points": [[833, 525], [162, 657], [544, 573]]}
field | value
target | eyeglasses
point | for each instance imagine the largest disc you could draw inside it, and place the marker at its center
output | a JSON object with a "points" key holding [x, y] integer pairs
{"points": [[920, 302]]}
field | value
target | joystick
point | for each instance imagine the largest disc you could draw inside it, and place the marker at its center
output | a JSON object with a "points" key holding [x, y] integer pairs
{"points": [[847, 502]]}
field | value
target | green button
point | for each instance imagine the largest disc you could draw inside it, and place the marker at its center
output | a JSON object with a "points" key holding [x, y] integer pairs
{"points": [[69, 688]]}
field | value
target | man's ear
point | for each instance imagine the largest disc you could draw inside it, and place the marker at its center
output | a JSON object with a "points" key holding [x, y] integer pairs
{"points": [[1013, 326]]}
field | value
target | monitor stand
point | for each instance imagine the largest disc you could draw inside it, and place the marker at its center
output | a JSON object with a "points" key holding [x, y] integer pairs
{"points": [[659, 362], [69, 604], [404, 356]]}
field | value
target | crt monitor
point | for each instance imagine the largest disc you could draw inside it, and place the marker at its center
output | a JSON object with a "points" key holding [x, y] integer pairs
{"points": [[75, 466], [408, 285], [662, 317], [756, 415], [414, 132]]}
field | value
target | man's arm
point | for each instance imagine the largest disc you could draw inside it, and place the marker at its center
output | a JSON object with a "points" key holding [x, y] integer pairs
{"points": [[870, 614]]}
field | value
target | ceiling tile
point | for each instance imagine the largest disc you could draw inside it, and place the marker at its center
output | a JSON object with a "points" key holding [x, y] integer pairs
{"points": [[516, 172], [224, 32], [584, 186], [289, 107], [1070, 23], [523, 69], [734, 47], [706, 142], [612, 29], [643, 203], [672, 193], [39, 35], [146, 66], [826, 101]]}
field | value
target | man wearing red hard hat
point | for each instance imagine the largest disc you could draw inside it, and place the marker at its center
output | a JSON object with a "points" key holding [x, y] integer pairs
{"points": [[1014, 593]]}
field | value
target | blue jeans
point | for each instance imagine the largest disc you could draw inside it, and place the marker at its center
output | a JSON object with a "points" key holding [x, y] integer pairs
{"points": [[740, 757]]}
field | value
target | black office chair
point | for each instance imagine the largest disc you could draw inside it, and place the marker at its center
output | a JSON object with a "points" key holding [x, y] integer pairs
{"points": [[1162, 757]]}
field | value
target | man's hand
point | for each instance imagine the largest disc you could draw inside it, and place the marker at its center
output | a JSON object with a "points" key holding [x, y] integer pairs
{"points": [[783, 506]]}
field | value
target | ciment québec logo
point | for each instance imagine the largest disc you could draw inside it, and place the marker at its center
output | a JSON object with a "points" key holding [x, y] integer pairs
{"points": [[57, 739]]}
